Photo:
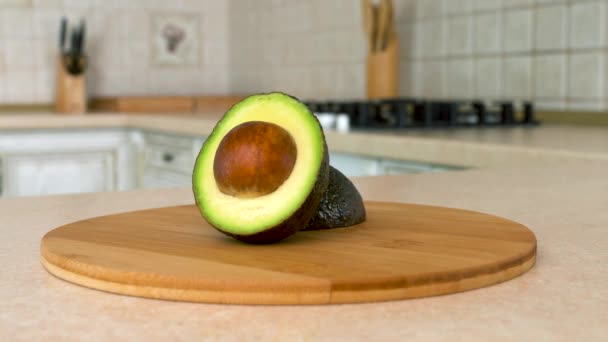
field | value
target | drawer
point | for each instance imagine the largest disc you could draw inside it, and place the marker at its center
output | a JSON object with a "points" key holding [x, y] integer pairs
{"points": [[161, 178], [169, 140], [170, 157]]}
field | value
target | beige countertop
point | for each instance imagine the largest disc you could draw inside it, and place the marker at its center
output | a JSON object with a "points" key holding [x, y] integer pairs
{"points": [[462, 147], [559, 191]]}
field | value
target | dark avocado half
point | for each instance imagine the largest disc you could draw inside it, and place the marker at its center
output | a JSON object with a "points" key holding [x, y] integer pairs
{"points": [[262, 172], [341, 205]]}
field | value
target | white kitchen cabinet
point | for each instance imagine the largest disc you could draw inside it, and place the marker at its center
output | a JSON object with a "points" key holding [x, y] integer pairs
{"points": [[44, 162], [67, 161], [395, 167], [169, 160], [353, 165], [55, 173]]}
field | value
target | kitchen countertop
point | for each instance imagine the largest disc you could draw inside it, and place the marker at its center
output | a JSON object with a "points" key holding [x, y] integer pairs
{"points": [[460, 147], [558, 190]]}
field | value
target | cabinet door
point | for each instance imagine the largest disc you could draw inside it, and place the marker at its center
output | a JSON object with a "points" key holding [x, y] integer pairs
{"points": [[394, 167], [163, 178], [58, 173], [169, 160], [391, 167], [352, 165]]}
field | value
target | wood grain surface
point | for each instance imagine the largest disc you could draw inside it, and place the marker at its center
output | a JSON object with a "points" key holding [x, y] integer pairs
{"points": [[401, 251]]}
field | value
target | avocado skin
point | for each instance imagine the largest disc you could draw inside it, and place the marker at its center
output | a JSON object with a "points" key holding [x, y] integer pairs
{"points": [[299, 219], [341, 205]]}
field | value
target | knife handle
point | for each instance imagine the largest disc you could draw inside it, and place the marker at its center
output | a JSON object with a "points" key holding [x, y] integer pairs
{"points": [[62, 33]]}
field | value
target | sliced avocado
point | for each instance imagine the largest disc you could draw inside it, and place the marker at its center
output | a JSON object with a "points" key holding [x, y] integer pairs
{"points": [[341, 205], [260, 175]]}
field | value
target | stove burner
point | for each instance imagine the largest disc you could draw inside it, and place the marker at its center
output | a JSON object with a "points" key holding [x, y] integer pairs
{"points": [[412, 113]]}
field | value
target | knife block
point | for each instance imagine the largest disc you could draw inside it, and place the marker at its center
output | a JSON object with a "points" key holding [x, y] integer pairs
{"points": [[70, 92], [383, 71]]}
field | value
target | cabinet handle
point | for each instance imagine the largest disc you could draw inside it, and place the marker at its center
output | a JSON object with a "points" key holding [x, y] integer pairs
{"points": [[168, 157]]}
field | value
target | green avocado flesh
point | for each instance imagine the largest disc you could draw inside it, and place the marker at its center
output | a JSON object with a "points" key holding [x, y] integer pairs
{"points": [[276, 215], [341, 205]]}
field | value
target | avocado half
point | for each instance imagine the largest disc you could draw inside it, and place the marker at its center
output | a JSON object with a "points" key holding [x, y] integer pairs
{"points": [[341, 205], [243, 150]]}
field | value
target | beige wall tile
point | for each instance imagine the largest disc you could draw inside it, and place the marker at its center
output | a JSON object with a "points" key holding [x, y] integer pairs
{"points": [[449, 48], [19, 87], [482, 5], [459, 78], [431, 38], [587, 24], [551, 25], [20, 54], [429, 8], [136, 25], [457, 7], [517, 3], [2, 63], [430, 79], [45, 84], [16, 3], [605, 57], [118, 45], [550, 105], [487, 33], [459, 36], [406, 35], [517, 30], [45, 24], [487, 77], [586, 71], [16, 23], [46, 54], [517, 77], [47, 3], [550, 76], [586, 105], [549, 2], [406, 79], [2, 87], [404, 10]]}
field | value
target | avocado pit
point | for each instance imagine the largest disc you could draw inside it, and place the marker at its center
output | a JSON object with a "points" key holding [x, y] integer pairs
{"points": [[254, 159]]}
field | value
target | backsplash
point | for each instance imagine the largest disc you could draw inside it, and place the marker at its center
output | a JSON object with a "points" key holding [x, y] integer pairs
{"points": [[127, 42], [312, 49], [551, 51], [548, 50]]}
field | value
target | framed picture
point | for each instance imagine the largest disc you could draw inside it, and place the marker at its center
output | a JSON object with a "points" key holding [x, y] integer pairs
{"points": [[175, 39]]}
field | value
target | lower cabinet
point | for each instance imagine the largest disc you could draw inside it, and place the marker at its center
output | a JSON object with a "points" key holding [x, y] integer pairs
{"points": [[61, 161], [72, 161], [169, 160], [353, 165], [57, 173]]}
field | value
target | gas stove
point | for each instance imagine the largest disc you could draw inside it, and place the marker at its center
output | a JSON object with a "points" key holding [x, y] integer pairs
{"points": [[404, 113]]}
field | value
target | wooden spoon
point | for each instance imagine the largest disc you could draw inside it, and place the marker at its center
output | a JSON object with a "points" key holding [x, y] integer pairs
{"points": [[389, 31], [381, 26], [368, 23]]}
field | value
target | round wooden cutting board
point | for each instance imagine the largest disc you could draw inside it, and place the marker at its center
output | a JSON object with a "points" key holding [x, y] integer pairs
{"points": [[401, 251]]}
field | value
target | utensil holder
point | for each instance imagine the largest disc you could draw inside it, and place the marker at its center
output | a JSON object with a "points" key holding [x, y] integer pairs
{"points": [[70, 97], [383, 71]]}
